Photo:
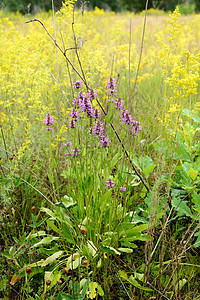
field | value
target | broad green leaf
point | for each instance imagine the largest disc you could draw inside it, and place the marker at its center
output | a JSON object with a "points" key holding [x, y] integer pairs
{"points": [[109, 249], [46, 240], [123, 275], [37, 264], [100, 290], [182, 208], [92, 248], [92, 289], [147, 164], [63, 296], [74, 261], [197, 243], [192, 173], [51, 178], [37, 234], [134, 282], [53, 226], [67, 234], [181, 283], [126, 250], [56, 277], [51, 258], [49, 212]]}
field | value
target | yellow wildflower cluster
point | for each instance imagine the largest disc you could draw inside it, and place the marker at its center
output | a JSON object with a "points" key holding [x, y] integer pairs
{"points": [[35, 79]]}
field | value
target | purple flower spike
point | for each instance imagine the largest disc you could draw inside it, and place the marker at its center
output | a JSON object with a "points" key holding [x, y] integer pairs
{"points": [[96, 113], [119, 103], [104, 142], [123, 188], [136, 128], [111, 85], [74, 114], [49, 121], [110, 183], [98, 128], [76, 151], [92, 94], [68, 144], [125, 117], [78, 84], [72, 124], [75, 102]]}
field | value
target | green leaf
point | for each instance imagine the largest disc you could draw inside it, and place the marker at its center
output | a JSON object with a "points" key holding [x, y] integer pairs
{"points": [[181, 207], [126, 250], [46, 240], [92, 248], [92, 289], [134, 282], [52, 226], [147, 165], [192, 173], [100, 290], [63, 296], [52, 258], [51, 178], [109, 249], [67, 234], [49, 212], [74, 261], [54, 162]]}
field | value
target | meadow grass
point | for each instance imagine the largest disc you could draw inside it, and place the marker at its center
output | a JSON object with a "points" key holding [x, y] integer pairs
{"points": [[99, 182]]}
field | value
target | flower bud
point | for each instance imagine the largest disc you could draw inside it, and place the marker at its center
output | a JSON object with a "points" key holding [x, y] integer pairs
{"points": [[28, 270]]}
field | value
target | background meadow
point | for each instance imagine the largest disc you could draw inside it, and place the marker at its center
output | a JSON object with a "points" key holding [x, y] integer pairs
{"points": [[83, 217]]}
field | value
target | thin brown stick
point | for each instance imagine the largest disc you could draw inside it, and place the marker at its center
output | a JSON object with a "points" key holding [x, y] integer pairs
{"points": [[141, 49]]}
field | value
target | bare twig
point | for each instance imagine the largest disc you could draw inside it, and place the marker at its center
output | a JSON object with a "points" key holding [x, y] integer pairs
{"points": [[141, 49]]}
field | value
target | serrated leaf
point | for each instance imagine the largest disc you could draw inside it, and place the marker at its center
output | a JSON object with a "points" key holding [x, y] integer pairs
{"points": [[51, 258]]}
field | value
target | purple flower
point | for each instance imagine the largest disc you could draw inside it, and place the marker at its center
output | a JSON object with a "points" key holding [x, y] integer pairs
{"points": [[104, 142], [75, 151], [92, 94], [123, 188], [75, 102], [48, 121], [98, 128], [68, 144], [78, 84], [74, 114], [110, 183], [72, 124], [125, 117], [111, 85], [119, 103], [136, 128], [96, 113]]}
